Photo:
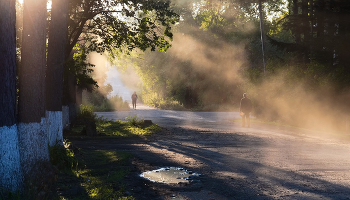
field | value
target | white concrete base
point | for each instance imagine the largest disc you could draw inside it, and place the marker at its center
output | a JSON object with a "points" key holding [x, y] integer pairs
{"points": [[33, 143], [54, 127], [10, 168]]}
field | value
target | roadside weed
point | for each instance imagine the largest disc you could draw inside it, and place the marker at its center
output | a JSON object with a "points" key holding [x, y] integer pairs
{"points": [[134, 121], [62, 157]]}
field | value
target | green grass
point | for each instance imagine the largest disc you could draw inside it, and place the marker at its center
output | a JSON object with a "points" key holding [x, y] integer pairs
{"points": [[62, 157], [133, 127], [76, 129], [99, 176]]}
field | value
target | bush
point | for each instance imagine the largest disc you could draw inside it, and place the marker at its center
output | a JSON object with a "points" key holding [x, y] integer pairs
{"points": [[134, 121], [169, 104], [118, 104], [86, 113], [163, 103], [62, 157], [100, 102]]}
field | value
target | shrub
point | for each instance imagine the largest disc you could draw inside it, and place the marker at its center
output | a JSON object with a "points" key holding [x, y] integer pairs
{"points": [[100, 102], [62, 157], [86, 113], [134, 121], [118, 103]]}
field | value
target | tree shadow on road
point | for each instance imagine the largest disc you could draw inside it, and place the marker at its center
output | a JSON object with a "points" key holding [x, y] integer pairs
{"points": [[229, 163]]}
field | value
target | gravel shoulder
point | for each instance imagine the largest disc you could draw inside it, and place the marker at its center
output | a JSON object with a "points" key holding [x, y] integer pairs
{"points": [[262, 162]]}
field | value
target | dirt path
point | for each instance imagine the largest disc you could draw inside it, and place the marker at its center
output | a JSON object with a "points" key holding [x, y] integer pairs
{"points": [[262, 162]]}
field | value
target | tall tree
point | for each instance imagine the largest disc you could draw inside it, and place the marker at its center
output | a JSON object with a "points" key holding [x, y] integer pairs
{"points": [[10, 173], [55, 68], [33, 140], [104, 25]]}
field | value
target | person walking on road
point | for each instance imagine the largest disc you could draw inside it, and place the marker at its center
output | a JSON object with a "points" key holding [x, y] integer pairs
{"points": [[245, 109], [134, 98]]}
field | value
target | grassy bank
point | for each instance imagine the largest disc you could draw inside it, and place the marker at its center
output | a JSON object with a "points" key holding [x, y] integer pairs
{"points": [[92, 173]]}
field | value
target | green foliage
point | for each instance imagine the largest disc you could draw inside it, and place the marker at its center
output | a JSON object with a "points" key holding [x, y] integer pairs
{"points": [[148, 25], [81, 69], [217, 56], [93, 26], [100, 173], [86, 113], [100, 178], [143, 131], [98, 181], [100, 102], [133, 127], [62, 157], [170, 103], [113, 128], [152, 99], [206, 74], [134, 121], [118, 103]]}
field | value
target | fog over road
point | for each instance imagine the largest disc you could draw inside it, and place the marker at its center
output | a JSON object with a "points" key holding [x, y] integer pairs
{"points": [[261, 162], [170, 118]]}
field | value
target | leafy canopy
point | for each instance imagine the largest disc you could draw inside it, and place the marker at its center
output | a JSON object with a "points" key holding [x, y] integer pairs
{"points": [[104, 25]]}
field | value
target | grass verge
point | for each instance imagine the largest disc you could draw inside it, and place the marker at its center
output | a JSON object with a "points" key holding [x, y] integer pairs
{"points": [[133, 127], [99, 175]]}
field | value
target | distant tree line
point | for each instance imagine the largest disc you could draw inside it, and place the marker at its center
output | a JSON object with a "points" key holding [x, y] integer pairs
{"points": [[217, 55]]}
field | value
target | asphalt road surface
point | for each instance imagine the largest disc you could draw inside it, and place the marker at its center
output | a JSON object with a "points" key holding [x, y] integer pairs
{"points": [[261, 162]]}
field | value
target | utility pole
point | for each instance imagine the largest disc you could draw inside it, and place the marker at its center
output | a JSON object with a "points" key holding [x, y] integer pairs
{"points": [[262, 35]]}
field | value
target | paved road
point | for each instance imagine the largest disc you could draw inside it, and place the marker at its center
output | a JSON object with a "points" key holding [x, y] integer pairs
{"points": [[170, 118], [261, 162]]}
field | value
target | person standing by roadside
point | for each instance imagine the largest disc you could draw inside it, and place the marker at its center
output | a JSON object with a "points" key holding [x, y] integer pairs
{"points": [[245, 109], [134, 98]]}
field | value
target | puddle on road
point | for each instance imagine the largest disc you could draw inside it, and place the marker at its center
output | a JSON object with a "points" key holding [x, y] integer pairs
{"points": [[170, 175]]}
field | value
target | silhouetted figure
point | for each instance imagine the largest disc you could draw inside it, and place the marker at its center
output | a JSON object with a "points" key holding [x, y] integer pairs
{"points": [[134, 98], [245, 109]]}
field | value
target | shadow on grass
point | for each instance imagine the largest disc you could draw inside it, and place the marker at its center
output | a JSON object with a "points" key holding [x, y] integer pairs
{"points": [[132, 128], [99, 173], [99, 176]]}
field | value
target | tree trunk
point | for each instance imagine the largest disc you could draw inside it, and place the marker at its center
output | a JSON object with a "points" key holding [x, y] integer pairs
{"points": [[33, 139], [79, 96], [296, 13], [69, 96], [10, 171], [262, 34], [54, 71]]}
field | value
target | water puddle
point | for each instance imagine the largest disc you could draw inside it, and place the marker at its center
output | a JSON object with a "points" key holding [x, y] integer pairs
{"points": [[170, 175]]}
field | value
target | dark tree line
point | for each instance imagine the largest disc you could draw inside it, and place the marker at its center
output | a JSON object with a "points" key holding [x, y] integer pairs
{"points": [[321, 29], [314, 70]]}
